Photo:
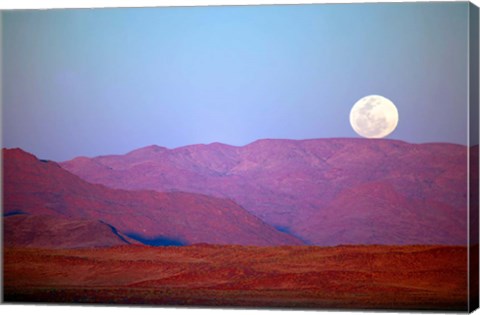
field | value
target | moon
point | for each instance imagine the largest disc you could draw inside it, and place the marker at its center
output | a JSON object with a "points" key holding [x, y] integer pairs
{"points": [[374, 116]]}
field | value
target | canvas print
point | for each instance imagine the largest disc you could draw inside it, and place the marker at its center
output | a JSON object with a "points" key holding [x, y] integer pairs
{"points": [[319, 156]]}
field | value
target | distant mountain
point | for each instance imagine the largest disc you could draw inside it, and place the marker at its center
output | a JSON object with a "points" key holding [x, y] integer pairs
{"points": [[40, 187], [325, 191], [48, 231]]}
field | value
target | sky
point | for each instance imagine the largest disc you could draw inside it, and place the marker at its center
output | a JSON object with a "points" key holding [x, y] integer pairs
{"points": [[90, 82]]}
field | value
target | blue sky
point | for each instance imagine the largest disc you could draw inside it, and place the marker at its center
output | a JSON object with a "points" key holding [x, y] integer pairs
{"points": [[103, 81]]}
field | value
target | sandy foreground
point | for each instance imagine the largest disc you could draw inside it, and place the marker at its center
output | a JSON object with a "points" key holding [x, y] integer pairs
{"points": [[343, 277]]}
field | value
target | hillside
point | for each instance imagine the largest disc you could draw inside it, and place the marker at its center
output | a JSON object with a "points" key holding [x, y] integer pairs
{"points": [[325, 191], [44, 188], [48, 231]]}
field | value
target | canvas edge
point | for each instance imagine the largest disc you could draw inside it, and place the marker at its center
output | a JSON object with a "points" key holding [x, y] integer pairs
{"points": [[473, 163]]}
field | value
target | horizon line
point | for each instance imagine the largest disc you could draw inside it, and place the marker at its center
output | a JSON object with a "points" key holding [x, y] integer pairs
{"points": [[240, 146]]}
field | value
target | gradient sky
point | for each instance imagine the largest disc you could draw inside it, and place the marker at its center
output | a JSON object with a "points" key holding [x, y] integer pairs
{"points": [[107, 81]]}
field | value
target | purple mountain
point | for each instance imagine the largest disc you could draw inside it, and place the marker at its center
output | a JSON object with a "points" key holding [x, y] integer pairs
{"points": [[61, 203], [324, 191]]}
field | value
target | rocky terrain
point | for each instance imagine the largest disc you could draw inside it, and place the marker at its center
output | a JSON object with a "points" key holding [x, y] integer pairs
{"points": [[226, 224], [35, 187], [54, 231], [323, 191]]}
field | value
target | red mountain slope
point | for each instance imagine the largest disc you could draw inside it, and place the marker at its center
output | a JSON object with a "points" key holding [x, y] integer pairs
{"points": [[46, 231], [326, 191], [37, 187]]}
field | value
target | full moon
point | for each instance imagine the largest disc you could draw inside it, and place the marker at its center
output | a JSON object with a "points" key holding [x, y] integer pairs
{"points": [[374, 116]]}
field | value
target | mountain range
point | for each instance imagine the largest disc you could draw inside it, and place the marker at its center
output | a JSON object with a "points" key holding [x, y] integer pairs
{"points": [[43, 189], [271, 192], [323, 191]]}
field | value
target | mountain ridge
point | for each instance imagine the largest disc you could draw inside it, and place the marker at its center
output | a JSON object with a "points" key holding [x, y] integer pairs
{"points": [[290, 183], [44, 188]]}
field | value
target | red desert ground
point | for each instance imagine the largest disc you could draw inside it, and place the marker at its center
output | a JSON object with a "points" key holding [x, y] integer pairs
{"points": [[325, 223]]}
